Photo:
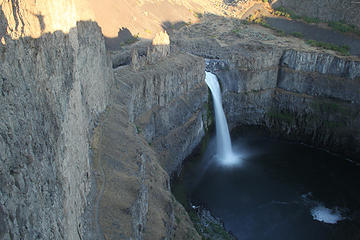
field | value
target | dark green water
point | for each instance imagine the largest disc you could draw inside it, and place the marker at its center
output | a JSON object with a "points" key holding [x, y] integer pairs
{"points": [[274, 192]]}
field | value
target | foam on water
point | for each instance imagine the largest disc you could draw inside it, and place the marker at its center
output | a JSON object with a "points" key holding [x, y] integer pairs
{"points": [[323, 214]]}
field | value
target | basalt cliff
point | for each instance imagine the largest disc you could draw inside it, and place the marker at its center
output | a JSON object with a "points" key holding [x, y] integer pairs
{"points": [[89, 138]]}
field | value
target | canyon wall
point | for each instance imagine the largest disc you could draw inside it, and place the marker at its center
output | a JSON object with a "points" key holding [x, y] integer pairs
{"points": [[331, 10], [52, 90], [304, 96], [311, 97], [155, 119]]}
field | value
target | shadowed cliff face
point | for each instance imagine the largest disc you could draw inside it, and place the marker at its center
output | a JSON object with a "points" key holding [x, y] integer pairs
{"points": [[301, 93], [51, 90], [333, 10]]}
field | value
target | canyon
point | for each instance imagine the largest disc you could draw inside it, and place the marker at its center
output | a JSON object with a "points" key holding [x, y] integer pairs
{"points": [[90, 137]]}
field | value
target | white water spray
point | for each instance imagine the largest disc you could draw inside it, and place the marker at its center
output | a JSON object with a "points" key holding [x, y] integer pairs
{"points": [[224, 150]]}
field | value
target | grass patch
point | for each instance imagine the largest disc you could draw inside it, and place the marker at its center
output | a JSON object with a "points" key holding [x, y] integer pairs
{"points": [[339, 26], [310, 19], [344, 49], [297, 34], [343, 27]]}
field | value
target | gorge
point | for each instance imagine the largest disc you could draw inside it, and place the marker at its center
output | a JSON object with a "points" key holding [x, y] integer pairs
{"points": [[90, 137]]}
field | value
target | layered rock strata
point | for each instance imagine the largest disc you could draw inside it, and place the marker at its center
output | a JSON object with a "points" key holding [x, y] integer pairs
{"points": [[302, 95], [52, 90], [156, 117]]}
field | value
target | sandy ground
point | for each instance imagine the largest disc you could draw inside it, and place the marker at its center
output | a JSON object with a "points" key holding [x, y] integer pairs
{"points": [[145, 18]]}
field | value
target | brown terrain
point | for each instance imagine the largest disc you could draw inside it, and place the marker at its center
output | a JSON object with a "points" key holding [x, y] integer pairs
{"points": [[152, 114]]}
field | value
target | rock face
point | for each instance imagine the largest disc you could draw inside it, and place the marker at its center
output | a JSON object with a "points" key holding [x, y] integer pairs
{"points": [[302, 95], [332, 10], [166, 102], [311, 97], [52, 89], [156, 118]]}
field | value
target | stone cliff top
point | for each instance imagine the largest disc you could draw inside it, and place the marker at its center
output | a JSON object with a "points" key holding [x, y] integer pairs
{"points": [[220, 32]]}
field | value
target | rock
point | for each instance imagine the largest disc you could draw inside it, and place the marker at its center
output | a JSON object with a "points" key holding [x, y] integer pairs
{"points": [[160, 48], [135, 64], [333, 10], [53, 88]]}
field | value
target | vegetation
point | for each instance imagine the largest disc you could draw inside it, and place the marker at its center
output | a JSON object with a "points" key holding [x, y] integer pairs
{"points": [[131, 40], [344, 49], [198, 15], [282, 12], [339, 26], [310, 19], [138, 129], [280, 115], [208, 229], [297, 34], [343, 27]]}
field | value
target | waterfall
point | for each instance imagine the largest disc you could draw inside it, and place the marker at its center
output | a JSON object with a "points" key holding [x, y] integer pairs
{"points": [[224, 150]]}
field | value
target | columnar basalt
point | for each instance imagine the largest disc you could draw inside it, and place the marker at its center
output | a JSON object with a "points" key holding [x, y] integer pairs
{"points": [[52, 90]]}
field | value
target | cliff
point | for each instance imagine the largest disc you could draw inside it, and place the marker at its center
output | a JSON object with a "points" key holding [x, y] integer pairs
{"points": [[299, 93], [52, 90], [333, 10], [155, 120]]}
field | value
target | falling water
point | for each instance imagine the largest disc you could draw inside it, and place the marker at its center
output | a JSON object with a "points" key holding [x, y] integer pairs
{"points": [[224, 150]]}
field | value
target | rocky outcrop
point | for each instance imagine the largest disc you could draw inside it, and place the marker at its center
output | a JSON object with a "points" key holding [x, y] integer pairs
{"points": [[52, 90], [302, 95], [332, 10], [305, 96], [155, 119], [166, 102]]}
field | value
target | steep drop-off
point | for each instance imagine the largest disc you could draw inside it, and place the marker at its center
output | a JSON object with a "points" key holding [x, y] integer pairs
{"points": [[52, 90], [331, 10], [155, 119], [302, 94]]}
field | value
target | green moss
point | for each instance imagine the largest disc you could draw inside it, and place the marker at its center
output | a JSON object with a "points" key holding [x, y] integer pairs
{"points": [[344, 49], [281, 115]]}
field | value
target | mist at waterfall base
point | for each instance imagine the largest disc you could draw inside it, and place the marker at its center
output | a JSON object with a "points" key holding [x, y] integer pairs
{"points": [[281, 190]]}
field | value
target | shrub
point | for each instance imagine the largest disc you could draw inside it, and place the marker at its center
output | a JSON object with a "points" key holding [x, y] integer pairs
{"points": [[310, 19], [297, 34], [343, 27], [341, 49]]}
